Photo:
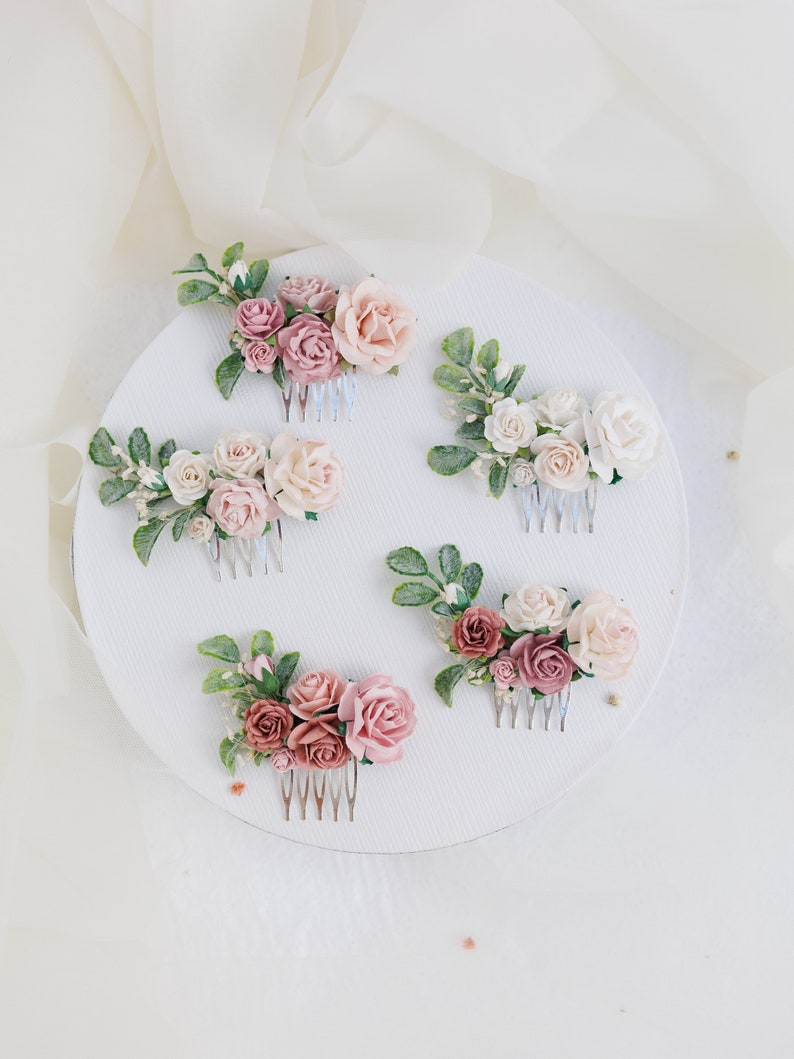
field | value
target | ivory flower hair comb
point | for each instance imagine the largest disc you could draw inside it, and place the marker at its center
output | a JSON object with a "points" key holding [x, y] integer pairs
{"points": [[554, 449], [533, 650], [310, 336], [314, 731], [229, 499]]}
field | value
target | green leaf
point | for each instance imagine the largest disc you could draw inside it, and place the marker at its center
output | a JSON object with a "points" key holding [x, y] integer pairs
{"points": [[394, 371], [459, 346], [223, 647], [144, 537], [450, 459], [471, 579], [414, 594], [473, 404], [193, 291], [262, 643], [446, 680], [258, 271], [228, 372], [455, 380], [471, 431], [228, 750], [310, 516], [231, 254], [99, 449], [166, 451], [443, 609], [364, 760], [267, 684], [197, 263], [222, 679], [449, 561], [286, 667], [113, 489], [488, 356], [616, 478], [222, 299], [279, 375], [407, 561], [139, 446], [497, 479], [181, 520], [515, 379]]}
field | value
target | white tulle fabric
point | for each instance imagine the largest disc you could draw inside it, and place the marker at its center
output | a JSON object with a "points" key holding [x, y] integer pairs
{"points": [[636, 152]]}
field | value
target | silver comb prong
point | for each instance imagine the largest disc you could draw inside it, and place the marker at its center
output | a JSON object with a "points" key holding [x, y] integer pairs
{"points": [[542, 496], [528, 503], [349, 383], [303, 397], [548, 706], [214, 550], [318, 393], [247, 552], [335, 392], [564, 703], [558, 498], [351, 789], [498, 705], [514, 704], [260, 543], [286, 397], [278, 546], [531, 704], [335, 790], [318, 789], [575, 504], [231, 555], [286, 790], [590, 501], [302, 783]]}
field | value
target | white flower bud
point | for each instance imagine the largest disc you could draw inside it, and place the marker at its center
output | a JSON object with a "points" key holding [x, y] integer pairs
{"points": [[502, 370], [238, 271]]}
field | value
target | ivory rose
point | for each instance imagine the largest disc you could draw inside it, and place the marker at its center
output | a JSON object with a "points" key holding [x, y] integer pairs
{"points": [[200, 529], [603, 638], [187, 475], [299, 291], [267, 724], [316, 691], [308, 350], [560, 460], [259, 356], [556, 408], [503, 670], [317, 743], [373, 327], [258, 318], [241, 507], [380, 716], [477, 632], [521, 472], [542, 662], [534, 607], [239, 454], [510, 426], [623, 435], [302, 476]]}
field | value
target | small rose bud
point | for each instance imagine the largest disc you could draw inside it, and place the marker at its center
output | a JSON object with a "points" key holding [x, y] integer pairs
{"points": [[451, 593], [238, 275], [502, 370]]}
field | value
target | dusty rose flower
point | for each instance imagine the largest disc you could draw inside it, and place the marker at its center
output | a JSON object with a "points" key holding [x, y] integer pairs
{"points": [[380, 716], [258, 318], [302, 476], [503, 671], [373, 326], [299, 291], [241, 507], [317, 743], [267, 724], [259, 356], [308, 350], [258, 665], [603, 636], [240, 454], [316, 691], [282, 759], [542, 663], [477, 632]]}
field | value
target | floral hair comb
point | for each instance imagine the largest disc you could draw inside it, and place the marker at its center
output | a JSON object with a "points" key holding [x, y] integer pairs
{"points": [[533, 650], [314, 731], [229, 499], [310, 337], [555, 448]]}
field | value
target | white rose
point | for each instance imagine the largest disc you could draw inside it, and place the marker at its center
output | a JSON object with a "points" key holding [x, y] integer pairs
{"points": [[623, 435], [556, 408], [451, 593], [239, 270], [187, 475], [521, 472], [534, 607], [502, 370], [560, 460], [602, 636], [239, 454], [302, 476], [510, 426], [200, 528]]}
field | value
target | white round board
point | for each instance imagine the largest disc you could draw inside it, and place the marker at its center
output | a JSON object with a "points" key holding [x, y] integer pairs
{"points": [[461, 777]]}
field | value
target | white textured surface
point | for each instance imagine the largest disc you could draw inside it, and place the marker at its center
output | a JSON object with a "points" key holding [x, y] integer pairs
{"points": [[461, 777]]}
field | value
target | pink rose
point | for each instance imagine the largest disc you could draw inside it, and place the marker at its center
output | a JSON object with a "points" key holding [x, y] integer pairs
{"points": [[542, 662], [373, 326], [267, 724], [317, 743], [258, 318], [380, 716], [303, 475], [259, 665], [259, 356], [241, 507], [503, 671], [299, 291], [478, 632], [307, 349], [282, 759], [316, 691]]}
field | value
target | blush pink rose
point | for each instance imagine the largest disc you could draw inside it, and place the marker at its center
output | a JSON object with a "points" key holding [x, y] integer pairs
{"points": [[259, 356], [542, 662], [267, 724], [503, 671], [380, 717], [308, 350], [258, 318], [477, 632], [259, 665], [603, 636], [317, 743], [299, 291], [241, 507], [315, 692], [373, 327], [282, 759]]}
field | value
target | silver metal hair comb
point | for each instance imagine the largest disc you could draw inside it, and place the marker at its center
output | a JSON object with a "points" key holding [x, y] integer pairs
{"points": [[247, 551], [538, 500], [515, 698], [329, 788], [295, 396]]}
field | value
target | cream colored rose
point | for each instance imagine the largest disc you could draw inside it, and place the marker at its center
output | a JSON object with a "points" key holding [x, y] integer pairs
{"points": [[521, 472], [200, 529], [187, 475], [556, 408], [533, 607], [602, 636], [510, 426], [373, 327], [560, 460], [623, 434], [239, 454], [302, 476]]}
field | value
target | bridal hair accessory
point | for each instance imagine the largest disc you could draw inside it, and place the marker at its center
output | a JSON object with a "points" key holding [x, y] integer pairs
{"points": [[554, 449], [230, 499], [533, 650], [314, 731], [310, 336]]}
